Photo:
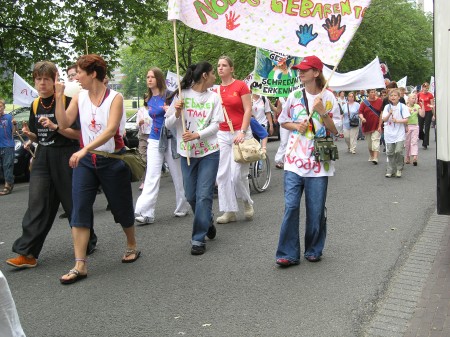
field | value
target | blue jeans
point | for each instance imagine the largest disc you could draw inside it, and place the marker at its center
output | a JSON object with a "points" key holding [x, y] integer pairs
{"points": [[315, 228], [199, 179], [7, 164]]}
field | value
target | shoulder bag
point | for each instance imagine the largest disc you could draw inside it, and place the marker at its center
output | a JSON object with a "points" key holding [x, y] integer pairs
{"points": [[249, 150], [131, 158], [354, 120]]}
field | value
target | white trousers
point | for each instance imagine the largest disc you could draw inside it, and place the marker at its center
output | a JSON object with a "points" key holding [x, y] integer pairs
{"points": [[9, 319], [284, 136], [232, 177], [145, 205]]}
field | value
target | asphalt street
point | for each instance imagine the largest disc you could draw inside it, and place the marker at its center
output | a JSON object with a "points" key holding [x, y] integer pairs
{"points": [[235, 288]]}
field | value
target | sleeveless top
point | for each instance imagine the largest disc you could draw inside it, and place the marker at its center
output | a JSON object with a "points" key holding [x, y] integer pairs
{"points": [[94, 120]]}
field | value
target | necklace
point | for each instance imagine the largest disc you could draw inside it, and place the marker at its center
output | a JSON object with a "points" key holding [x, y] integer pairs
{"points": [[94, 111], [47, 107]]}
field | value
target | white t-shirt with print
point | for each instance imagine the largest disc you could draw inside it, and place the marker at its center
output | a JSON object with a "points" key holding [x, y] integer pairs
{"points": [[395, 132], [203, 113], [301, 159], [259, 109]]}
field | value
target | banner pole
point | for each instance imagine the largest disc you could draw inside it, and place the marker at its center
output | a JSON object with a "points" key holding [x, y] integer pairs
{"points": [[297, 139], [179, 86]]}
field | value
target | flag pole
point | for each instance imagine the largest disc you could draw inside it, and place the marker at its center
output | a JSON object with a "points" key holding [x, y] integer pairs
{"points": [[14, 82], [23, 141], [179, 86], [297, 139]]}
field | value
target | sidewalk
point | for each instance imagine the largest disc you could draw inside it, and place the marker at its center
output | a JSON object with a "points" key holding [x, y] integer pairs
{"points": [[432, 315], [417, 303]]}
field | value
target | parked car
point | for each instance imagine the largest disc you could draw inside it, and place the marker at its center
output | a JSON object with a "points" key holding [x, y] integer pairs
{"points": [[20, 115], [132, 129]]}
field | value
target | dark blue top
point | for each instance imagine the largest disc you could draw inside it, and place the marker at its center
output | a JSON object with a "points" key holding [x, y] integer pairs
{"points": [[6, 129]]}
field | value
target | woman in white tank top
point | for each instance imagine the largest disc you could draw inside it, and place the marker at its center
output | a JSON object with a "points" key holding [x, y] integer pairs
{"points": [[102, 119]]}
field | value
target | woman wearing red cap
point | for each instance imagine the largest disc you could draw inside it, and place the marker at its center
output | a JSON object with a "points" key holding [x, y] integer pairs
{"points": [[302, 172]]}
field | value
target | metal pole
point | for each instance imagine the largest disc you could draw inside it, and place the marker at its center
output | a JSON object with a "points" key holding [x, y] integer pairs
{"points": [[137, 86]]}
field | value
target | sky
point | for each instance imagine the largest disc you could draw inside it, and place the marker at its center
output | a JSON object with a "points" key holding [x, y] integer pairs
{"points": [[428, 5]]}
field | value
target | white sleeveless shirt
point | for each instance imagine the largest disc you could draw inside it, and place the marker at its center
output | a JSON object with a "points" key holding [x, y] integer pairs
{"points": [[94, 119]]}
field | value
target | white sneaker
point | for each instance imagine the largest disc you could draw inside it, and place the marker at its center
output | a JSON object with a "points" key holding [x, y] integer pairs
{"points": [[144, 220], [227, 217], [399, 174], [180, 214], [248, 211]]}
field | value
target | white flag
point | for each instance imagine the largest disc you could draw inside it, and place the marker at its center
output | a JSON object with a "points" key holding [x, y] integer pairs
{"points": [[23, 93], [171, 81], [402, 83]]}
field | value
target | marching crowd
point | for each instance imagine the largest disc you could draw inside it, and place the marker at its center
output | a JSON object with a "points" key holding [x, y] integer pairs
{"points": [[193, 130]]}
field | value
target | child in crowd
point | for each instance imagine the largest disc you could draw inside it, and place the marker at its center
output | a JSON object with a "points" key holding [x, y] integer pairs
{"points": [[395, 116], [412, 134]]}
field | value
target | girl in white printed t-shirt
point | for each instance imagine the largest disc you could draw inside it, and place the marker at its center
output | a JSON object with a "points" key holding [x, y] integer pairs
{"points": [[395, 116]]}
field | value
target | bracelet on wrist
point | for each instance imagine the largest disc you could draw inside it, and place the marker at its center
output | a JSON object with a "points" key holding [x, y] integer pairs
{"points": [[243, 131]]}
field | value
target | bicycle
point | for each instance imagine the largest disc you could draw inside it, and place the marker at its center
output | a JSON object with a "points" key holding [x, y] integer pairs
{"points": [[260, 174]]}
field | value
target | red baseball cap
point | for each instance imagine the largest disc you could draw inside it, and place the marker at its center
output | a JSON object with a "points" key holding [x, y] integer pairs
{"points": [[309, 62]]}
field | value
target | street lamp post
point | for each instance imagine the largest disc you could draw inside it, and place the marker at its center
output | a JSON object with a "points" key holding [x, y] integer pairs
{"points": [[137, 86]]}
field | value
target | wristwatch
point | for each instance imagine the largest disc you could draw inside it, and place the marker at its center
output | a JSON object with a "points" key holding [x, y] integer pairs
{"points": [[243, 131]]}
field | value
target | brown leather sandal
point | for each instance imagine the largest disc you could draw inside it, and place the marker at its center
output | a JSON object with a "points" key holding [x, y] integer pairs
{"points": [[7, 190]]}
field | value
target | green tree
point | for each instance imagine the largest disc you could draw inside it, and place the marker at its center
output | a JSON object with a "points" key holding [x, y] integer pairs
{"points": [[61, 30], [157, 48], [400, 34]]}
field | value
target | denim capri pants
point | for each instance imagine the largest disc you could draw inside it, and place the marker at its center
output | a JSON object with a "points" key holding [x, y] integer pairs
{"points": [[115, 178]]}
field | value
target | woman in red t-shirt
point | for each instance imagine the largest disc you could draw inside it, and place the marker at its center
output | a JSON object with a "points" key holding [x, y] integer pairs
{"points": [[426, 99], [232, 177]]}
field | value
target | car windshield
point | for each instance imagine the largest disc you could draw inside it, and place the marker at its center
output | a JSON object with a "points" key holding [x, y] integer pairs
{"points": [[21, 115]]}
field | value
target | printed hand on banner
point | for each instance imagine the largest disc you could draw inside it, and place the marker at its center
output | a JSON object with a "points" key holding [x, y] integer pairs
{"points": [[231, 20], [333, 28], [305, 34]]}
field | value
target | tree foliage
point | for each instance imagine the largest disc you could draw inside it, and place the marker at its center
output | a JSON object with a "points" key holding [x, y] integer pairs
{"points": [[60, 30], [399, 34]]}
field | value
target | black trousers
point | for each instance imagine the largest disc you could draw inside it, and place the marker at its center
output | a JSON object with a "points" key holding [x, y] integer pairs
{"points": [[424, 128], [50, 185]]}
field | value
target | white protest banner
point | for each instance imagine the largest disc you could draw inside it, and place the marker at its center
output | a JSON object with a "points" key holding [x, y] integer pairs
{"points": [[171, 81], [300, 28], [402, 83], [273, 75], [249, 79], [368, 77], [23, 93]]}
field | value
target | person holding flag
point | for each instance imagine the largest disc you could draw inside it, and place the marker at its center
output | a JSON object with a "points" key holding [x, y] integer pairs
{"points": [[306, 116], [203, 113]]}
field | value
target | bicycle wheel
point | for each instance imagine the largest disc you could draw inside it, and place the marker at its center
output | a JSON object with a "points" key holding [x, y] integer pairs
{"points": [[261, 175]]}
